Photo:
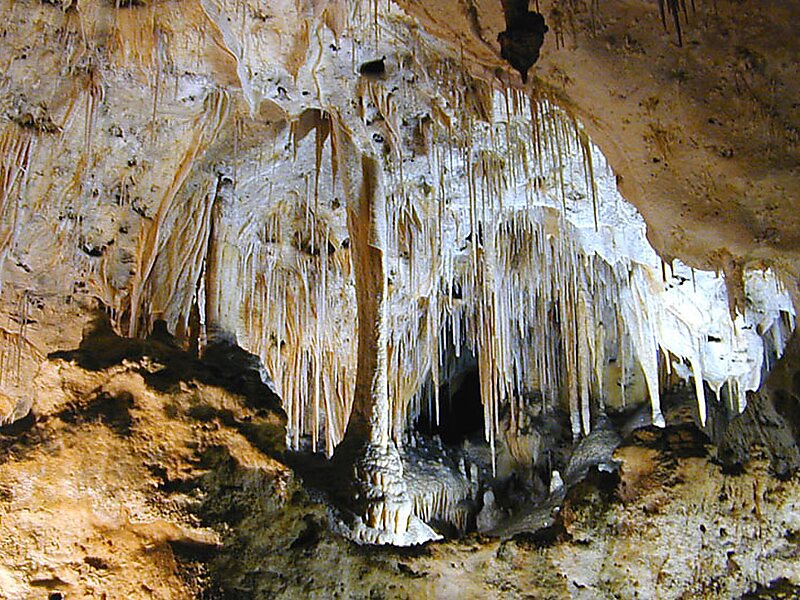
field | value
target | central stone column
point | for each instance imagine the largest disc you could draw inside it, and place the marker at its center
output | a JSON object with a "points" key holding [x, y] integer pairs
{"points": [[376, 486], [366, 224]]}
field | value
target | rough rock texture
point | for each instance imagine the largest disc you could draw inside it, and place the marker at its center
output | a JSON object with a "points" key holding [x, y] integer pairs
{"points": [[144, 475]]}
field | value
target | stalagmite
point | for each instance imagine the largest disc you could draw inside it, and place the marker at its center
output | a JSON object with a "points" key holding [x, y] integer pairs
{"points": [[379, 495]]}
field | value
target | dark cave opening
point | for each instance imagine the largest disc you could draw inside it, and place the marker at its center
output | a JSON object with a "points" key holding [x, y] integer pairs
{"points": [[460, 410]]}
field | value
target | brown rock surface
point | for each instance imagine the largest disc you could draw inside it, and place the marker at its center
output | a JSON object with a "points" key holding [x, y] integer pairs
{"points": [[145, 479]]}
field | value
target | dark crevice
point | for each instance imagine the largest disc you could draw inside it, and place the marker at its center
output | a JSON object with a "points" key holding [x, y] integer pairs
{"points": [[460, 410]]}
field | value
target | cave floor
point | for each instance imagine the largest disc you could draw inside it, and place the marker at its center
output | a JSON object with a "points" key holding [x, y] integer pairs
{"points": [[141, 479]]}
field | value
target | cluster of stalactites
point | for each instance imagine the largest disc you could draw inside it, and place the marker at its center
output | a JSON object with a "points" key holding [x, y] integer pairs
{"points": [[491, 198], [300, 317], [496, 272], [484, 251], [440, 492]]}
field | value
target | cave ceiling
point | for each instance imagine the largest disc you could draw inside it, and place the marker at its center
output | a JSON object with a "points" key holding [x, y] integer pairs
{"points": [[703, 135], [121, 120]]}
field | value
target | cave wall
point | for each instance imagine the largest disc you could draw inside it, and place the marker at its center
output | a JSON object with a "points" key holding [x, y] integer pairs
{"points": [[172, 160]]}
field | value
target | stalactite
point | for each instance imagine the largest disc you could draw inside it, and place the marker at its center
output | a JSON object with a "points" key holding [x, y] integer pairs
{"points": [[16, 148], [180, 271], [15, 347], [94, 94]]}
